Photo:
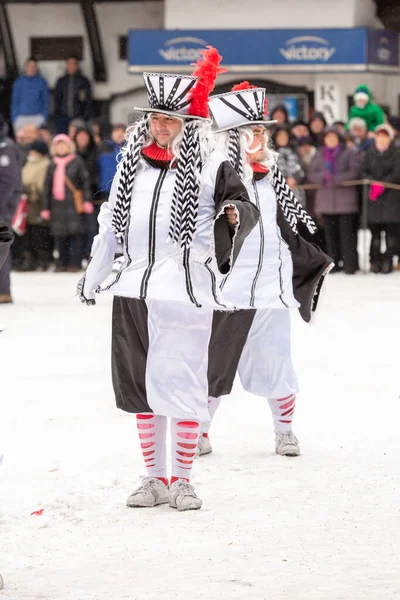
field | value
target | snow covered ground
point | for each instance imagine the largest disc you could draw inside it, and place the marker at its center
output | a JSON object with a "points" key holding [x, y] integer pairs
{"points": [[324, 526]]}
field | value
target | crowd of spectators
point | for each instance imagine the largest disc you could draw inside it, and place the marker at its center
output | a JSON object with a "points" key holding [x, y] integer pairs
{"points": [[67, 169], [65, 166], [319, 161]]}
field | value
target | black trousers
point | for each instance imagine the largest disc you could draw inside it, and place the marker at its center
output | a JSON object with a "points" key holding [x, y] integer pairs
{"points": [[341, 240], [392, 233], [70, 250], [39, 245]]}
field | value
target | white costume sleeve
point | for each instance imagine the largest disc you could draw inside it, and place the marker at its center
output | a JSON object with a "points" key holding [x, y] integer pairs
{"points": [[104, 247]]}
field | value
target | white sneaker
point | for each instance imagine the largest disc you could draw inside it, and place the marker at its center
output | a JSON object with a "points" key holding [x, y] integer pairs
{"points": [[183, 497], [203, 446], [286, 444], [151, 493], [1, 583]]}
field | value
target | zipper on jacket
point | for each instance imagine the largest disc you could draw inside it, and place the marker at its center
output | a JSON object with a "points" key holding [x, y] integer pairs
{"points": [[261, 255], [152, 233]]}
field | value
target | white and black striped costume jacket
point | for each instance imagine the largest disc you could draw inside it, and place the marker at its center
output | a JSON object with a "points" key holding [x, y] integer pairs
{"points": [[288, 269], [153, 266]]}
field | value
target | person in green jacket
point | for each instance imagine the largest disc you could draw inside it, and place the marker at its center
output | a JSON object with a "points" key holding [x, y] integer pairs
{"points": [[372, 114]]}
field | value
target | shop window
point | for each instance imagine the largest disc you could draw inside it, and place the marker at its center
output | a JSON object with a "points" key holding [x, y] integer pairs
{"points": [[56, 48]]}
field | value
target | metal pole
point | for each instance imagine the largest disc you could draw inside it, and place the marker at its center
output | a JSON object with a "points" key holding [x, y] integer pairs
{"points": [[364, 226]]}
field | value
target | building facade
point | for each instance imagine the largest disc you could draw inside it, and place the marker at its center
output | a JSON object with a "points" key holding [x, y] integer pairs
{"points": [[306, 75]]}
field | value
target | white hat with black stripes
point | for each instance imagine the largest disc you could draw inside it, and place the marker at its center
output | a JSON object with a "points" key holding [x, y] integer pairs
{"points": [[170, 94], [244, 106]]}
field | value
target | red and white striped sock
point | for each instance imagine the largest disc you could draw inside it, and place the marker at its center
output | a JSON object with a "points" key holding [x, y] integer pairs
{"points": [[213, 404], [153, 441], [282, 412], [184, 437]]}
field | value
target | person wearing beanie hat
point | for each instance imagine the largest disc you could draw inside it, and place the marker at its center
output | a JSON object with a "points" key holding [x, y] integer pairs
{"points": [[288, 273], [365, 109], [179, 214], [381, 164]]}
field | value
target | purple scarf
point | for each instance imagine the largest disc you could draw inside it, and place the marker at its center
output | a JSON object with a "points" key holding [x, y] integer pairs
{"points": [[330, 156]]}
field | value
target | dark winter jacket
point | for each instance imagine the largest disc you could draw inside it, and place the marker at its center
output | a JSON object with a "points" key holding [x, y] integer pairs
{"points": [[65, 220], [10, 176], [383, 166], [30, 96], [73, 97], [333, 199], [89, 157], [107, 161], [6, 239]]}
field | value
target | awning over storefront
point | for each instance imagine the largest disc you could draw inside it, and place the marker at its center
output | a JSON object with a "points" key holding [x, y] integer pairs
{"points": [[268, 50]]}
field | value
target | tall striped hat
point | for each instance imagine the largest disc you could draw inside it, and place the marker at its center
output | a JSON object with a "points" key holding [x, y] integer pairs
{"points": [[180, 96], [244, 106]]}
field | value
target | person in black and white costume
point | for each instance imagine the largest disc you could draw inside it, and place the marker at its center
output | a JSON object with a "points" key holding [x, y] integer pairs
{"points": [[287, 273], [179, 214]]}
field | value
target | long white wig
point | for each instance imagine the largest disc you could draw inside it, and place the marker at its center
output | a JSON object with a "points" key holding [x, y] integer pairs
{"points": [[190, 149], [236, 144]]}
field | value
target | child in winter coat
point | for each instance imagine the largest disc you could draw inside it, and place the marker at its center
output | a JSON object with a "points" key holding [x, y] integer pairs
{"points": [[62, 206], [382, 164], [363, 108]]}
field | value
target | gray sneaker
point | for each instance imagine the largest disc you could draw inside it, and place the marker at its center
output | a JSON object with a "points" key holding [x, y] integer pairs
{"points": [[286, 444], [183, 497], [203, 446], [151, 493]]}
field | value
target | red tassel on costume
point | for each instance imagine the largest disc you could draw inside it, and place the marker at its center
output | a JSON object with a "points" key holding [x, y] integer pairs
{"points": [[207, 69], [245, 85]]}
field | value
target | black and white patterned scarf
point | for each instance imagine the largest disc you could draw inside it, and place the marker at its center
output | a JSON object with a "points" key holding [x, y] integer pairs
{"points": [[291, 207], [185, 202]]}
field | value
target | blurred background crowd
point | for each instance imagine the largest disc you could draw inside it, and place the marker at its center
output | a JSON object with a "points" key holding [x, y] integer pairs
{"points": [[57, 170]]}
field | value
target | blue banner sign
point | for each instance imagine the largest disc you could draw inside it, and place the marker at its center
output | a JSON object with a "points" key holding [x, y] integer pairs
{"points": [[383, 48], [261, 50]]}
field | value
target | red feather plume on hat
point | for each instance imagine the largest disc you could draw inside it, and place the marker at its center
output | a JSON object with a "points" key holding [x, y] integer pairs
{"points": [[245, 85], [207, 69]]}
